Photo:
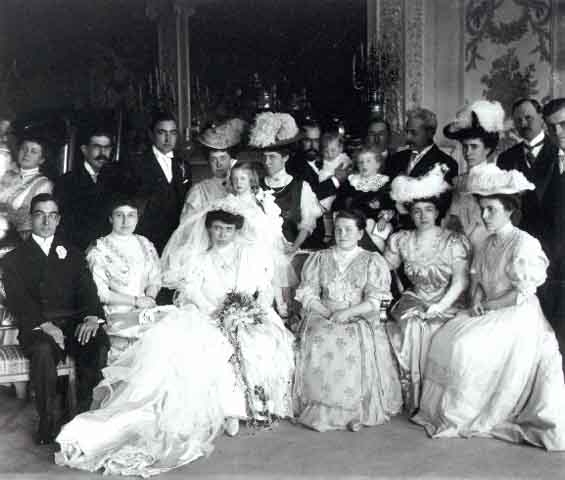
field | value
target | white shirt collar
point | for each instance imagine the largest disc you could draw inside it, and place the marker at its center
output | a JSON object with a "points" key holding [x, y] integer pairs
{"points": [[280, 179], [414, 161], [90, 171], [423, 152], [537, 139], [159, 154], [44, 243], [165, 162]]}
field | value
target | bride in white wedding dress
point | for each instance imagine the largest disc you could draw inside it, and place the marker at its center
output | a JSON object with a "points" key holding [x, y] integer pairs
{"points": [[162, 403]]}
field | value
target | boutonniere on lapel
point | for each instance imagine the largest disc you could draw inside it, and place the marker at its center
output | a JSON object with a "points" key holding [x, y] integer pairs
{"points": [[61, 252], [183, 174]]}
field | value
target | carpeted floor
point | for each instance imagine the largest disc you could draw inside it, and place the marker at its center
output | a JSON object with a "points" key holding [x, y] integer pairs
{"points": [[398, 449]]}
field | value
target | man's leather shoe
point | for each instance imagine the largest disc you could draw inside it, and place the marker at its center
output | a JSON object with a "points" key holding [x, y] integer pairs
{"points": [[46, 431]]}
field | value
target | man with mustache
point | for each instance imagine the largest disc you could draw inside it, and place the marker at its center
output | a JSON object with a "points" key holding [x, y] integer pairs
{"points": [[535, 156], [83, 193]]}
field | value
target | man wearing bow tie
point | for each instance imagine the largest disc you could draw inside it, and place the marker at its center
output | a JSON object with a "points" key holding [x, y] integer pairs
{"points": [[423, 154], [535, 156], [160, 181], [52, 295]]}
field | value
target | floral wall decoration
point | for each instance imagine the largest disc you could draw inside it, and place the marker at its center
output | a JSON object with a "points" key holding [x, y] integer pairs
{"points": [[507, 52], [507, 49]]}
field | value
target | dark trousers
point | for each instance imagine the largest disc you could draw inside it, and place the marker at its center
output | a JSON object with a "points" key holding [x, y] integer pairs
{"points": [[44, 355], [552, 300]]}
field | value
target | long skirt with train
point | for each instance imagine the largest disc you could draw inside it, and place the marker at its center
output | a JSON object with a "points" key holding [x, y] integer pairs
{"points": [[160, 405]]}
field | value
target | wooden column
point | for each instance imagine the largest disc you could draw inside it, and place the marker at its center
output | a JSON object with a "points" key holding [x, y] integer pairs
{"points": [[173, 47]]}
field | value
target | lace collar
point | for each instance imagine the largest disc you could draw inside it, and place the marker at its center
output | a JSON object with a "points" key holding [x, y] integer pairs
{"points": [[368, 184]]}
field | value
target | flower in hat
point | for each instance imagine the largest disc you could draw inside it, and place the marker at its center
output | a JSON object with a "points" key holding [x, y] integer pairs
{"points": [[273, 130], [224, 135]]}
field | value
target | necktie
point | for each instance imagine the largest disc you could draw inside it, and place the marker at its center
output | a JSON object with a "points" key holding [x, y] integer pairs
{"points": [[413, 161], [529, 152], [561, 162]]}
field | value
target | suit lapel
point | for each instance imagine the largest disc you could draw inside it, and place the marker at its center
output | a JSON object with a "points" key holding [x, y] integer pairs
{"points": [[423, 166], [35, 262], [156, 170], [544, 168]]}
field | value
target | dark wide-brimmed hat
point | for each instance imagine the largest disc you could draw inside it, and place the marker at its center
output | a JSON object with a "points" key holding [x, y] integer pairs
{"points": [[480, 119], [224, 135], [272, 131]]}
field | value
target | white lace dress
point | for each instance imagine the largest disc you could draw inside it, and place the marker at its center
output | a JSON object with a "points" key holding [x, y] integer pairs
{"points": [[128, 265], [162, 403]]}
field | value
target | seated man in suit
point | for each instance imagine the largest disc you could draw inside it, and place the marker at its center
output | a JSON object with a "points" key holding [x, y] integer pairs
{"points": [[51, 293], [83, 193], [536, 157], [423, 153], [161, 182]]}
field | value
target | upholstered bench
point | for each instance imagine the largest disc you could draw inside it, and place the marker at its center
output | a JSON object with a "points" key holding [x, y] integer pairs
{"points": [[14, 368]]}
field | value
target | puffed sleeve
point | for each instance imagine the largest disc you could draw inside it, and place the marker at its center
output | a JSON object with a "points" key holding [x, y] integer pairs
{"points": [[377, 288], [98, 264], [459, 250], [309, 289], [392, 250], [310, 209], [527, 267], [153, 264]]}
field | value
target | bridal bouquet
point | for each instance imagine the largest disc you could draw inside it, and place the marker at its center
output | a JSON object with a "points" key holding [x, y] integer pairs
{"points": [[240, 309]]}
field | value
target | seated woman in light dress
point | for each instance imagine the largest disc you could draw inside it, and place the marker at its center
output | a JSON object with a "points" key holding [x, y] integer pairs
{"points": [[18, 187], [162, 403], [263, 227], [477, 127], [436, 262], [495, 370], [219, 141], [345, 374], [127, 273]]}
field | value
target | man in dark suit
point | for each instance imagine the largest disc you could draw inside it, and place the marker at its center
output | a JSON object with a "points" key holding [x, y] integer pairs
{"points": [[552, 294], [84, 192], [53, 297], [423, 153], [535, 157], [161, 181]]}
